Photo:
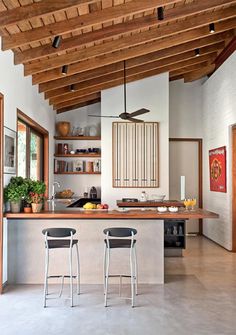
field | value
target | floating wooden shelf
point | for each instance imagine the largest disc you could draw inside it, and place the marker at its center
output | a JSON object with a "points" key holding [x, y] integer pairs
{"points": [[78, 155], [80, 138], [77, 172]]}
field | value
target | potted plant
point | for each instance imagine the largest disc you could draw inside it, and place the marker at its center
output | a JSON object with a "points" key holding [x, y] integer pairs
{"points": [[36, 195], [27, 199], [14, 192]]}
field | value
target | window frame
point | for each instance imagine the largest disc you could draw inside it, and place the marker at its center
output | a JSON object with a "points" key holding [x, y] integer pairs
{"points": [[43, 133]]}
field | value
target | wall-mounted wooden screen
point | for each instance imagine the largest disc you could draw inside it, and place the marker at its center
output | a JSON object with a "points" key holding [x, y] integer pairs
{"points": [[135, 154]]}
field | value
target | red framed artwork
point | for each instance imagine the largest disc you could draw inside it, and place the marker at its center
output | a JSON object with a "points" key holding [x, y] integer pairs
{"points": [[217, 165]]}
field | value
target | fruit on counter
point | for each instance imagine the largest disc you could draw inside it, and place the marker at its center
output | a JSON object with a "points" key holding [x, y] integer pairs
{"points": [[102, 206], [90, 205]]}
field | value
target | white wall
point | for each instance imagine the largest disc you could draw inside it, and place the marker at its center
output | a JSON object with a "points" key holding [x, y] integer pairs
{"points": [[79, 118], [151, 93], [219, 113], [19, 93], [186, 109]]}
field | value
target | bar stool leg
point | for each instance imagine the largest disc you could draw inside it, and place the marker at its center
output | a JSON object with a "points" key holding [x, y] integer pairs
{"points": [[107, 275], [135, 270], [71, 276], [46, 277], [78, 269], [132, 275], [104, 268]]}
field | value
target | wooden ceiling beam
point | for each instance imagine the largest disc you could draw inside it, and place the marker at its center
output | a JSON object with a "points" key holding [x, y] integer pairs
{"points": [[118, 29], [82, 22], [129, 72], [206, 45], [226, 53], [82, 104], [176, 78], [139, 50], [190, 68], [38, 9], [197, 74], [161, 34], [80, 99], [101, 86]]}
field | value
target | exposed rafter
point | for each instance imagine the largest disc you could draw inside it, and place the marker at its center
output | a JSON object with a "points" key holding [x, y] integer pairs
{"points": [[82, 22], [97, 36], [118, 29], [165, 35]]}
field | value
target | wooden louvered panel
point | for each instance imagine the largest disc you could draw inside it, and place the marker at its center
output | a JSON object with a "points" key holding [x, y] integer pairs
{"points": [[135, 154]]}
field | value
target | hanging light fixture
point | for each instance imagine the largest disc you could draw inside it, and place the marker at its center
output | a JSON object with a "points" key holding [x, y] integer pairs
{"points": [[72, 88], [64, 69], [212, 28], [160, 13], [197, 52], [56, 42]]}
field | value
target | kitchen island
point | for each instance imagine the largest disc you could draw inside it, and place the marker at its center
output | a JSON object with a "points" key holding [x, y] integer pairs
{"points": [[26, 242]]}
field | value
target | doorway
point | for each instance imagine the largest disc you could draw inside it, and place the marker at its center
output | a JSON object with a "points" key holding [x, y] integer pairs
{"points": [[1, 191], [186, 160]]}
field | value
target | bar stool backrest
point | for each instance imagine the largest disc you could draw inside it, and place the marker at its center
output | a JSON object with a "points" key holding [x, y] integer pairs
{"points": [[120, 232], [59, 232]]}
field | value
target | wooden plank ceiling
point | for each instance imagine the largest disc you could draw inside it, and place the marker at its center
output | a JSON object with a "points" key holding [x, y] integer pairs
{"points": [[97, 36]]}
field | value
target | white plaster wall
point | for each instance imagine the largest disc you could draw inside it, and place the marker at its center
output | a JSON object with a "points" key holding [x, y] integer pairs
{"points": [[19, 93], [185, 109], [219, 114], [79, 118], [151, 93]]}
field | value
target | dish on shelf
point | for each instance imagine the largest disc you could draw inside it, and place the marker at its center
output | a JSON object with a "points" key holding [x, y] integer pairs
{"points": [[157, 197], [173, 209], [94, 209], [123, 210], [65, 194], [162, 209]]}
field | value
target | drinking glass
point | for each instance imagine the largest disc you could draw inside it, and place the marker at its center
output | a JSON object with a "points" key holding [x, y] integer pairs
{"points": [[186, 204], [193, 203]]}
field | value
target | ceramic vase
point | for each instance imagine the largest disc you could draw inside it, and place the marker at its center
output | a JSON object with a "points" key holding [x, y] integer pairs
{"points": [[63, 128]]}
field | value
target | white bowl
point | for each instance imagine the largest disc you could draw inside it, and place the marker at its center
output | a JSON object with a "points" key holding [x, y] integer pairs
{"points": [[162, 209], [173, 209], [157, 197]]}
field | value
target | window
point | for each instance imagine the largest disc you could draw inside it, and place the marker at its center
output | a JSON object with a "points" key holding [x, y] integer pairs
{"points": [[30, 152], [32, 149]]}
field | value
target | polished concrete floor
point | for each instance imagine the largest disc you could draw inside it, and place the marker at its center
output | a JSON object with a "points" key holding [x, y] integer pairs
{"points": [[199, 298]]}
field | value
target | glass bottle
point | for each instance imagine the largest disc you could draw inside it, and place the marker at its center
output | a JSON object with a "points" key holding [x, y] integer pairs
{"points": [[143, 197]]}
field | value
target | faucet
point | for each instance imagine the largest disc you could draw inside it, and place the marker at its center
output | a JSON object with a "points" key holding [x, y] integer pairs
{"points": [[53, 188]]}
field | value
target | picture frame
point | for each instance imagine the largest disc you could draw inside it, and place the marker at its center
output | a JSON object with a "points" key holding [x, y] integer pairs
{"points": [[9, 151], [217, 169]]}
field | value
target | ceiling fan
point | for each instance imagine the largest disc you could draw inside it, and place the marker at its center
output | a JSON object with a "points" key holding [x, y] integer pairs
{"points": [[125, 115]]}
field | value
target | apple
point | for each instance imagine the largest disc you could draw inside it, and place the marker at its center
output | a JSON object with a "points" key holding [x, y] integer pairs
{"points": [[105, 206], [99, 206]]}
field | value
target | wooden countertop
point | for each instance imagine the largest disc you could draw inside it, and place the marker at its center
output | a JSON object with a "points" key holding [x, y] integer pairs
{"points": [[114, 214], [167, 203]]}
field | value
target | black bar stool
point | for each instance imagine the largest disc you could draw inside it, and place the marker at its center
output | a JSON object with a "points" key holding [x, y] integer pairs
{"points": [[58, 241], [111, 242]]}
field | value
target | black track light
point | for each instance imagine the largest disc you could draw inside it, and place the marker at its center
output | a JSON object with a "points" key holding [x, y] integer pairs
{"points": [[197, 52], [64, 69], [212, 28], [72, 88], [56, 42], [160, 13]]}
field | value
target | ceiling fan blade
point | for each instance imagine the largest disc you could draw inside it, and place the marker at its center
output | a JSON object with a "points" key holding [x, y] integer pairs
{"points": [[109, 116], [139, 112], [134, 120]]}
